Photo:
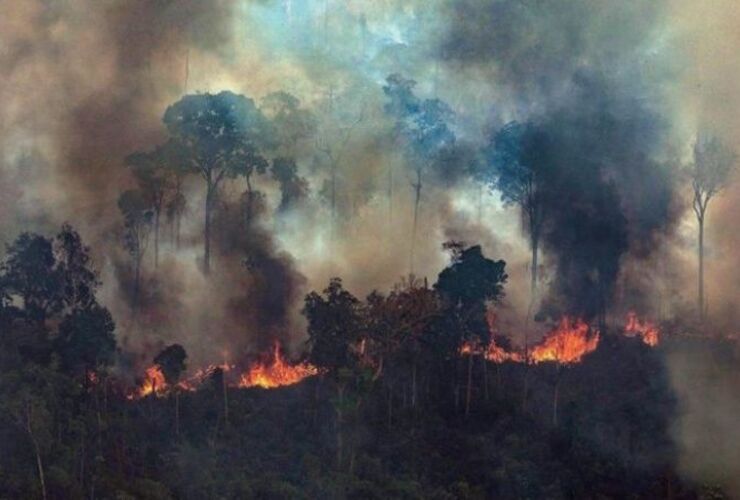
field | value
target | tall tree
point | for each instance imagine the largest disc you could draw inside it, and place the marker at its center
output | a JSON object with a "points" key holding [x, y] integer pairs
{"points": [[517, 172], [79, 280], [293, 187], [335, 326], [710, 172], [423, 127], [137, 217], [30, 273], [155, 180], [85, 340], [221, 135], [466, 285]]}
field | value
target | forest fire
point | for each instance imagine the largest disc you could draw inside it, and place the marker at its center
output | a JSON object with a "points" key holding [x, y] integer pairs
{"points": [[273, 371], [276, 372], [647, 331], [153, 383], [566, 344]]}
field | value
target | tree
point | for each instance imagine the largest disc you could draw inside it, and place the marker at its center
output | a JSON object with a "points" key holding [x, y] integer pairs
{"points": [[710, 173], [423, 127], [397, 325], [85, 340], [291, 124], [517, 171], [466, 285], [332, 139], [78, 280], [221, 135], [137, 217], [171, 362], [335, 325], [293, 187], [154, 179], [30, 273]]}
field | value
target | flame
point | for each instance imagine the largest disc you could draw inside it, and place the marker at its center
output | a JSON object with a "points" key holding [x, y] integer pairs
{"points": [[647, 331], [276, 372], [153, 383], [492, 352], [566, 344]]}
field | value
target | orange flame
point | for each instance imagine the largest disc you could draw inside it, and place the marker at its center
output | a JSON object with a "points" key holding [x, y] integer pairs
{"points": [[276, 372], [647, 331], [153, 383], [492, 352], [566, 344]]}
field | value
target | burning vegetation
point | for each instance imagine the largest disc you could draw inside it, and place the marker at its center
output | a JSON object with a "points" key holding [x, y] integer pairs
{"points": [[547, 147]]}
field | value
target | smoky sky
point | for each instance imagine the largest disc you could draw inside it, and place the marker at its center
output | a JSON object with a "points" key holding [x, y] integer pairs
{"points": [[610, 86]]}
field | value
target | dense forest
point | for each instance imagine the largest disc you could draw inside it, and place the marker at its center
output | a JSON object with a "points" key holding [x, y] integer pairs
{"points": [[369, 249], [394, 409]]}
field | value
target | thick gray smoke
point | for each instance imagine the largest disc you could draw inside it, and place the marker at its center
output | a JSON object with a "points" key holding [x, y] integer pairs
{"points": [[616, 90]]}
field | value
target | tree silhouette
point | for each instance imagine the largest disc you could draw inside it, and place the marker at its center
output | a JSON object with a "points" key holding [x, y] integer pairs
{"points": [[137, 217], [517, 171], [171, 362], [710, 172], [423, 128], [466, 285], [221, 135]]}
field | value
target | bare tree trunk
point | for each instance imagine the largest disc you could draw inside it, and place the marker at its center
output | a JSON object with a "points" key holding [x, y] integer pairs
{"points": [[390, 407], [390, 194], [340, 421], [37, 452], [137, 278], [249, 202], [207, 229], [156, 238], [702, 311], [417, 200], [226, 399], [485, 376], [535, 245], [413, 385], [177, 411], [333, 203]]}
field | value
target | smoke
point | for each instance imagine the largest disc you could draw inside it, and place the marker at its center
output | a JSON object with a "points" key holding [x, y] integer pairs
{"points": [[615, 89], [575, 70]]}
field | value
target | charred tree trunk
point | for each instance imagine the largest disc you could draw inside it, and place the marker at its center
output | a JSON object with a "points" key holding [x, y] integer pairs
{"points": [[702, 310], [535, 247], [156, 237], [390, 194], [137, 278], [339, 425], [485, 376], [417, 201], [226, 399], [249, 203], [413, 385], [210, 188], [36, 450], [390, 407], [177, 412]]}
